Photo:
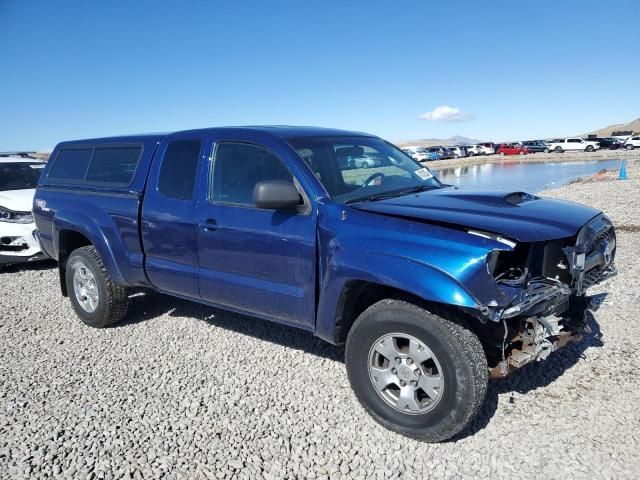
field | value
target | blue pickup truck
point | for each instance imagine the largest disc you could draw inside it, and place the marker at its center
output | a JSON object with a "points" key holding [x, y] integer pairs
{"points": [[431, 289]]}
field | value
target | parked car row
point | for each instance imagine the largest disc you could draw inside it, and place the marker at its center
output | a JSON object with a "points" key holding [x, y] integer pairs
{"points": [[437, 152], [557, 145]]}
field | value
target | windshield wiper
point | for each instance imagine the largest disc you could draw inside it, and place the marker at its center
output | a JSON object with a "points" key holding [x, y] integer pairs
{"points": [[392, 194]]}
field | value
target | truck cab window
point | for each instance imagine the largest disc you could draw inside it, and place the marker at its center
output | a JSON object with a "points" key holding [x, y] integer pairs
{"points": [[238, 167], [178, 169]]}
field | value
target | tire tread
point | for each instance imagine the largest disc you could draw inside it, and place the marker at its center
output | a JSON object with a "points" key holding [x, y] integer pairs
{"points": [[455, 322], [117, 298]]}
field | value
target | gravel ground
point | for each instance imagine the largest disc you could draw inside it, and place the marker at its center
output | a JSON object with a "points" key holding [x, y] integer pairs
{"points": [[185, 391]]}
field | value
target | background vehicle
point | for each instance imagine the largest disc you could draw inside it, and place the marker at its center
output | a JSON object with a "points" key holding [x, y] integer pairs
{"points": [[633, 142], [576, 143], [444, 152], [458, 151], [416, 278], [18, 180], [420, 154], [487, 148], [536, 146], [474, 150], [431, 156], [610, 143], [362, 162], [512, 149]]}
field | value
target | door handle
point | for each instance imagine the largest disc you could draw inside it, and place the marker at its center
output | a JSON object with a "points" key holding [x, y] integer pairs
{"points": [[209, 225]]}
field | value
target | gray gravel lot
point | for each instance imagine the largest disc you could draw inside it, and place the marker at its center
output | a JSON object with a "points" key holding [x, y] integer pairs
{"points": [[185, 391]]}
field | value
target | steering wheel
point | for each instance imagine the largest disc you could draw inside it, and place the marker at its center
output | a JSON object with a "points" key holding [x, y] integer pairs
{"points": [[373, 177]]}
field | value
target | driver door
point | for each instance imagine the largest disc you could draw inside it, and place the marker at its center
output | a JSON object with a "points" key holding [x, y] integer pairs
{"points": [[252, 260]]}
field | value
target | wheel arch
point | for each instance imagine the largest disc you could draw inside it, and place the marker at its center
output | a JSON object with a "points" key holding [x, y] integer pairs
{"points": [[70, 233], [348, 293]]}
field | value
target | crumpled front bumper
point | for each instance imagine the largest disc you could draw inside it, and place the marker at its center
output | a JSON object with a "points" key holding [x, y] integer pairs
{"points": [[18, 243], [535, 338]]}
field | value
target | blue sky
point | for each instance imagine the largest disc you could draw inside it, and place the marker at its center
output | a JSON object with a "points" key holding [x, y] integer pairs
{"points": [[74, 69]]}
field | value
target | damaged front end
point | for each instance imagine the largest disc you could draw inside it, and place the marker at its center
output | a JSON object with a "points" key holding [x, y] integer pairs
{"points": [[542, 304]]}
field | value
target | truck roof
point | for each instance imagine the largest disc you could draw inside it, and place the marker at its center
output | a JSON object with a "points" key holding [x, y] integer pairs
{"points": [[282, 131]]}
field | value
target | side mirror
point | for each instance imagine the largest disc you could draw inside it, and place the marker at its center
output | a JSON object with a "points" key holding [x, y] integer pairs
{"points": [[276, 195]]}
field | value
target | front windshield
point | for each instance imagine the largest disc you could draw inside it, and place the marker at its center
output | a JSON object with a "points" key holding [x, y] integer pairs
{"points": [[19, 175], [354, 169]]}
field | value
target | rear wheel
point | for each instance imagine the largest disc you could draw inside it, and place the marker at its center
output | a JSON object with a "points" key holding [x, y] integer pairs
{"points": [[546, 150], [416, 373], [502, 154], [558, 149], [629, 147], [521, 152], [95, 297]]}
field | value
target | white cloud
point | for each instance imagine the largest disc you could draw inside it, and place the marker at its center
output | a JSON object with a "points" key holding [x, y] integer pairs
{"points": [[445, 113]]}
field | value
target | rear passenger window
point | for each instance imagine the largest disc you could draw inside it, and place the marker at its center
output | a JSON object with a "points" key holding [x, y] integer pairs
{"points": [[237, 168], [71, 164], [114, 164], [178, 169]]}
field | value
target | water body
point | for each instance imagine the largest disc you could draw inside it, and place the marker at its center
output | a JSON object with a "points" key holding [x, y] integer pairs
{"points": [[517, 176]]}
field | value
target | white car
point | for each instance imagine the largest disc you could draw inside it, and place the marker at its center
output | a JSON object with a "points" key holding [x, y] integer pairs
{"points": [[572, 144], [458, 151], [419, 154], [18, 181], [487, 148], [474, 150], [362, 162], [632, 142]]}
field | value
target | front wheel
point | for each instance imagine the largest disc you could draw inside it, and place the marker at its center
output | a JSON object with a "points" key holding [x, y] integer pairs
{"points": [[558, 149], [546, 150], [502, 154], [95, 297], [414, 372], [629, 147], [589, 148]]}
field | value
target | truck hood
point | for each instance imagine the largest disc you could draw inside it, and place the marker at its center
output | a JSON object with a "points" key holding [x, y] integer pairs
{"points": [[517, 215], [17, 200]]}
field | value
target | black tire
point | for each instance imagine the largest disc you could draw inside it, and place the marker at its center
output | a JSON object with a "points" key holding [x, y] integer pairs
{"points": [[471, 154], [589, 148], [630, 147], [113, 299], [558, 150], [458, 350]]}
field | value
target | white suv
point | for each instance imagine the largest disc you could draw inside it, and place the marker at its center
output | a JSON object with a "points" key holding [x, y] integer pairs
{"points": [[569, 144], [632, 142], [474, 150], [18, 180]]}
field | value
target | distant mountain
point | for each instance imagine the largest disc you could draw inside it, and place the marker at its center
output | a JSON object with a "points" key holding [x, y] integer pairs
{"points": [[633, 126], [429, 142]]}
